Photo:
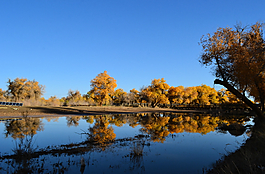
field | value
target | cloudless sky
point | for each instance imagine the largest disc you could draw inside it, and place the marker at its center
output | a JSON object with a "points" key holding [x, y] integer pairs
{"points": [[64, 44]]}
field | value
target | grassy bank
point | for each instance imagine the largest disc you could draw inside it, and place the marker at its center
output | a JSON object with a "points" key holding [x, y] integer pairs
{"points": [[250, 158]]}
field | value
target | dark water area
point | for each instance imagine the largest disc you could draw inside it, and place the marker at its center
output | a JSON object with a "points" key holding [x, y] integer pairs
{"points": [[132, 143]]}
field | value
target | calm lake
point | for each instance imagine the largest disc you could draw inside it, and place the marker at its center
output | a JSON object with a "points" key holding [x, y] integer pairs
{"points": [[132, 143]]}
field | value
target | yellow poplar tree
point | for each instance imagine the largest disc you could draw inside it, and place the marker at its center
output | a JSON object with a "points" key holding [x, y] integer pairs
{"points": [[119, 96], [23, 88], [135, 95], [175, 94], [102, 87], [156, 93], [190, 95]]}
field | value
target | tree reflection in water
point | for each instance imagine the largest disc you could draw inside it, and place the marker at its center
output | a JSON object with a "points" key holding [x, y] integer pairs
{"points": [[21, 128], [73, 120], [155, 127], [23, 131], [100, 132]]}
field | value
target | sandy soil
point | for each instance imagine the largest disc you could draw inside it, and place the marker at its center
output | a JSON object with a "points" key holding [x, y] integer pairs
{"points": [[34, 111]]}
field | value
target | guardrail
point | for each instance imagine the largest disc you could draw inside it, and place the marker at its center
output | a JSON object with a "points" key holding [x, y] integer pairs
{"points": [[11, 104]]}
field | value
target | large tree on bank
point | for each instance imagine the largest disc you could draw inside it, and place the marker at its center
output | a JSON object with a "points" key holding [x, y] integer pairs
{"points": [[21, 89], [237, 57]]}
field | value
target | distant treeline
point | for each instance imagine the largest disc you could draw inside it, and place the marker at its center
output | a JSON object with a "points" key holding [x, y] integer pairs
{"points": [[103, 92]]}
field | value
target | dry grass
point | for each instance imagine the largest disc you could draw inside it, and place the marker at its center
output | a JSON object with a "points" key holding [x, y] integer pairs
{"points": [[250, 158]]}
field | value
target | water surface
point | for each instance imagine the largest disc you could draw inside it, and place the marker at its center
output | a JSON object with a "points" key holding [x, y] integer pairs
{"points": [[133, 143]]}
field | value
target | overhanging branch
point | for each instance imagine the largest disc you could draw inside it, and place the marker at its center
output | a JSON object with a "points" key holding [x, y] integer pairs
{"points": [[240, 96]]}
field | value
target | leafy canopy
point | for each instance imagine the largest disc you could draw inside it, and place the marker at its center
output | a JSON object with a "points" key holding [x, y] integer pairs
{"points": [[237, 57], [102, 87]]}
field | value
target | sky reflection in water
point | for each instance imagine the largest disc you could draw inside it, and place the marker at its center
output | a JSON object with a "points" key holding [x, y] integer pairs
{"points": [[133, 143]]}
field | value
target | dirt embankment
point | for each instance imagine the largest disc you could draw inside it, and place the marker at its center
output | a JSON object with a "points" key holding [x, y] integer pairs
{"points": [[11, 111]]}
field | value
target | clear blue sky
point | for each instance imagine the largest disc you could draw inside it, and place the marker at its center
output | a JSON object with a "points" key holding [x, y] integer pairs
{"points": [[63, 44]]}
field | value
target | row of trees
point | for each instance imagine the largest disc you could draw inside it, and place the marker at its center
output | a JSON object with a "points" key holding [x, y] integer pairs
{"points": [[237, 57], [159, 92], [21, 90], [103, 92]]}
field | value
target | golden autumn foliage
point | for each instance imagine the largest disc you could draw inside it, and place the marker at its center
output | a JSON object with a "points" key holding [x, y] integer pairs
{"points": [[190, 95], [156, 125], [238, 60], [21, 89], [203, 95], [206, 95], [118, 120], [21, 128], [73, 120], [222, 96], [74, 98], [102, 87], [119, 96], [52, 101], [2, 94], [101, 133], [156, 93], [135, 95], [175, 94]]}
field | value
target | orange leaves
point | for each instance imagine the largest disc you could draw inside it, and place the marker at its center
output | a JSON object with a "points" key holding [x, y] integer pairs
{"points": [[156, 93], [102, 87], [238, 58], [101, 133], [193, 95], [119, 96], [160, 93]]}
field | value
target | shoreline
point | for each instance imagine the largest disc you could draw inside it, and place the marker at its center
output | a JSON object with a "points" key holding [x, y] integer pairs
{"points": [[50, 111]]}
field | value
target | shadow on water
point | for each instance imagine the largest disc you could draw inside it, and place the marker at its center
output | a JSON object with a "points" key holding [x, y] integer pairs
{"points": [[100, 139]]}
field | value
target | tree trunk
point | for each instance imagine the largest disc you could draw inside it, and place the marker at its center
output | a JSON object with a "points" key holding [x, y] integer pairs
{"points": [[240, 96]]}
